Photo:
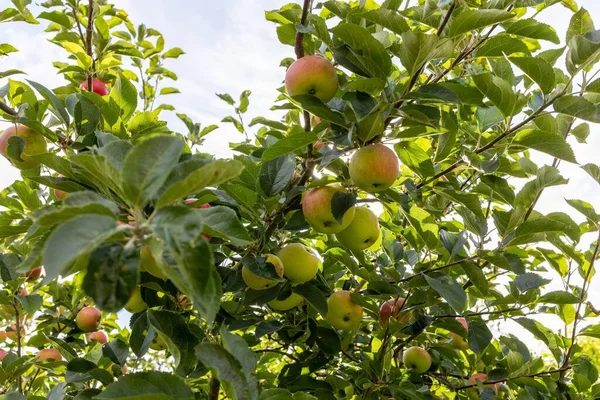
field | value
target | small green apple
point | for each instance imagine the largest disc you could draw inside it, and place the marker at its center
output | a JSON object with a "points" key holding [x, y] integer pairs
{"points": [[342, 312], [362, 232], [136, 304], [417, 359], [35, 144], [312, 75], [374, 168], [294, 300], [88, 319], [149, 264], [300, 264], [258, 282], [317, 209]]}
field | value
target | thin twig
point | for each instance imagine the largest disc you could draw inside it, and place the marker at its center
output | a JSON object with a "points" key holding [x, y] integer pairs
{"points": [[214, 389], [491, 382], [7, 109], [88, 45], [283, 353]]}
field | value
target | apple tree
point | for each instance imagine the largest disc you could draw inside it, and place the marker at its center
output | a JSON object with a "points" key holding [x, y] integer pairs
{"points": [[375, 237]]}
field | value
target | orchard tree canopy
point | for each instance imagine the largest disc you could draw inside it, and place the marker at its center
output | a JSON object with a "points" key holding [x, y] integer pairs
{"points": [[368, 239]]}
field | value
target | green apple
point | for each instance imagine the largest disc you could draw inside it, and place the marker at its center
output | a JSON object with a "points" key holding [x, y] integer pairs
{"points": [[34, 144], [88, 319], [318, 212], [312, 75], [158, 343], [258, 282], [417, 359], [342, 312], [294, 300], [149, 264], [362, 232], [300, 264], [374, 168], [136, 304]]}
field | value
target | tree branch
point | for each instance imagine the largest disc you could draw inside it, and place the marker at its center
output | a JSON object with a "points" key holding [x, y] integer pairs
{"points": [[88, 43], [491, 382], [214, 389], [283, 353], [7, 109]]}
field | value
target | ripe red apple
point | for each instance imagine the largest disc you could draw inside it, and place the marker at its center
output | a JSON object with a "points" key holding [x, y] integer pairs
{"points": [[458, 342], [417, 359], [49, 354], [374, 168], [98, 87], [98, 336], [33, 274], [392, 308], [88, 319], [317, 210], [3, 354], [196, 204], [481, 377], [23, 292], [313, 75], [35, 144], [319, 145]]}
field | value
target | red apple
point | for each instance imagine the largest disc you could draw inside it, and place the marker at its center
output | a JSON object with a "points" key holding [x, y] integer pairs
{"points": [[98, 87], [312, 75], [88, 319], [3, 354], [98, 336], [481, 377], [319, 145], [388, 309], [49, 354], [33, 274], [11, 333]]}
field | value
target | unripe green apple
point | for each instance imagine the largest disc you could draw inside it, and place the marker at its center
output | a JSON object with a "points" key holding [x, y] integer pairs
{"points": [[149, 264], [98, 87], [342, 312], [370, 127], [374, 168], [258, 282], [313, 75], [35, 144], [392, 308], [88, 319], [49, 354], [458, 342], [362, 232], [294, 300], [318, 212], [417, 359], [98, 336], [136, 304], [300, 264], [158, 344]]}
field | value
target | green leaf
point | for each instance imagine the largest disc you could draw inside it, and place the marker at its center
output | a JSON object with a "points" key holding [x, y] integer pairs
{"points": [[537, 70], [581, 23], [288, 144], [416, 49], [124, 94], [223, 222], [317, 108], [388, 19], [145, 123], [276, 174], [207, 175], [469, 200], [415, 158], [531, 28], [593, 170], [147, 385], [547, 176], [175, 52], [98, 172], [553, 222], [583, 51], [479, 336], [30, 303], [500, 187], [578, 107], [226, 97], [147, 167], [75, 238], [552, 144], [542, 333], [502, 45], [238, 347], [371, 54], [313, 295], [284, 394], [469, 20], [449, 289], [228, 370], [173, 328], [585, 208], [340, 203], [498, 91], [528, 281], [559, 297], [61, 111]]}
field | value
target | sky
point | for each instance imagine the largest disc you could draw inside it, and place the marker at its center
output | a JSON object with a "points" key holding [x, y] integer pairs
{"points": [[230, 47]]}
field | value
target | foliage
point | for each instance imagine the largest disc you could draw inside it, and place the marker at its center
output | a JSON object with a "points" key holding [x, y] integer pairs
{"points": [[461, 90]]}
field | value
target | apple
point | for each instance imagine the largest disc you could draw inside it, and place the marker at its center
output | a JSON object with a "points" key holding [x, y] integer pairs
{"points": [[3, 354], [342, 312], [88, 319], [35, 144], [98, 87], [33, 274], [362, 232], [136, 304], [312, 75], [417, 359], [11, 333], [98, 336], [49, 354], [184, 302], [196, 204], [59, 194], [374, 168], [23, 292], [319, 145], [158, 344], [258, 282], [392, 308], [480, 377], [294, 300], [149, 264], [457, 341], [300, 264], [318, 212]]}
